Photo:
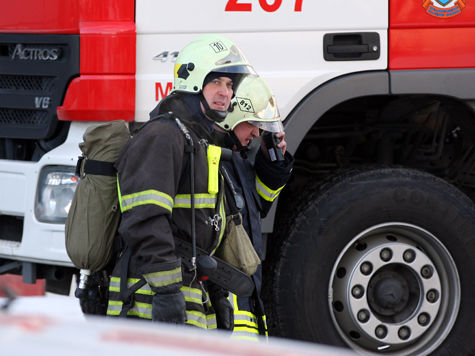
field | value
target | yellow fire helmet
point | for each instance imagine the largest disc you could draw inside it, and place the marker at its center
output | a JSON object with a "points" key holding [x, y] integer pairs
{"points": [[206, 54], [254, 103]]}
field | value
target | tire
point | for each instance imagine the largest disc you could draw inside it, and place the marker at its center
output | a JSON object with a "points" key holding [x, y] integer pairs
{"points": [[405, 239]]}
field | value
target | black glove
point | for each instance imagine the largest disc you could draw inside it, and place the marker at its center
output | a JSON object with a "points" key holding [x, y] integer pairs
{"points": [[169, 308], [93, 299], [223, 308]]}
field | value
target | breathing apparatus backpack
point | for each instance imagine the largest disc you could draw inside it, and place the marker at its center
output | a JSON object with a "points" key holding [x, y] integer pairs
{"points": [[94, 215]]}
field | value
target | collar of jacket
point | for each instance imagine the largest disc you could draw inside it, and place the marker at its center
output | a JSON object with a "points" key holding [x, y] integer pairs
{"points": [[187, 108]]}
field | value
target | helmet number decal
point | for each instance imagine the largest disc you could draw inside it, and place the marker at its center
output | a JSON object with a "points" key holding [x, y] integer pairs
{"points": [[245, 105], [218, 46], [266, 5]]}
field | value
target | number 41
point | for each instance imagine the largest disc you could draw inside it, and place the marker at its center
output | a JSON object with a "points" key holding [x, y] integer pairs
{"points": [[233, 5]]}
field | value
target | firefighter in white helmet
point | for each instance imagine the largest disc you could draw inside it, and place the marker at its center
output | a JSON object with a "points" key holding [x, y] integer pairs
{"points": [[150, 281], [256, 184]]}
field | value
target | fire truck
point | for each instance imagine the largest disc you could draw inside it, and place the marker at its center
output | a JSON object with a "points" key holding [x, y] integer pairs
{"points": [[371, 244]]}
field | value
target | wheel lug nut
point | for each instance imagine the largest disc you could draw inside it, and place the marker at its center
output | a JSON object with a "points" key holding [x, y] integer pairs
{"points": [[409, 255], [338, 306], [363, 315], [366, 268], [427, 271], [404, 332], [432, 296], [357, 291], [423, 319], [381, 331], [386, 254]]}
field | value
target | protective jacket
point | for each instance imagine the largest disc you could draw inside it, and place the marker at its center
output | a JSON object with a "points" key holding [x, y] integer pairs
{"points": [[259, 182], [154, 193]]}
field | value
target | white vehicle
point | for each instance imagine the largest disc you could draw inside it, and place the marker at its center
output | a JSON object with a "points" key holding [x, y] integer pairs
{"points": [[371, 243], [25, 330]]}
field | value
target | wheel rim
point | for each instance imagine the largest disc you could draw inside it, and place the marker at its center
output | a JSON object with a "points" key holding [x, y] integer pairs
{"points": [[394, 289]]}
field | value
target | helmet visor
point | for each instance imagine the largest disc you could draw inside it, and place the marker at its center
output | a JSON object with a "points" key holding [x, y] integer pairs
{"points": [[271, 126], [268, 119], [236, 69]]}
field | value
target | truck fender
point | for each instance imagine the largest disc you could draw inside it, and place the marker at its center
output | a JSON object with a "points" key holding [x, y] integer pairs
{"points": [[319, 101]]}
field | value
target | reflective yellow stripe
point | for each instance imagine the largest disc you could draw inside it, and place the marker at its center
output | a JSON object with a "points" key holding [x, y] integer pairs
{"points": [[196, 318], [214, 154], [245, 323], [245, 329], [142, 310], [202, 200], [164, 278], [118, 192], [264, 320], [150, 196], [114, 307], [211, 321], [241, 314], [195, 295], [265, 192], [245, 333], [192, 295], [114, 286]]}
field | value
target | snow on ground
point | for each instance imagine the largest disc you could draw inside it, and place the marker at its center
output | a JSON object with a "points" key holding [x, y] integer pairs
{"points": [[53, 325], [50, 304]]}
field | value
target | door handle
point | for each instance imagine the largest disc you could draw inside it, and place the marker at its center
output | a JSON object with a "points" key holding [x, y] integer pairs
{"points": [[351, 46], [334, 49]]}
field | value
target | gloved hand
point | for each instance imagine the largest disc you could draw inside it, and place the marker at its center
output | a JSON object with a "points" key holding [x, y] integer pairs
{"points": [[223, 308], [93, 299], [169, 308]]}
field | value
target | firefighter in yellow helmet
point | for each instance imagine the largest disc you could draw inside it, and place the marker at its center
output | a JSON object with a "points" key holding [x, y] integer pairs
{"points": [[256, 184], [150, 280]]}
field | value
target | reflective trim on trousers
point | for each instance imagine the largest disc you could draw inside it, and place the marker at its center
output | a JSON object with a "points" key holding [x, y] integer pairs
{"points": [[142, 310], [245, 322], [192, 295], [201, 320]]}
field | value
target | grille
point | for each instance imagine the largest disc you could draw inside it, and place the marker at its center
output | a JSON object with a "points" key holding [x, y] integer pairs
{"points": [[26, 82], [35, 71], [23, 118]]}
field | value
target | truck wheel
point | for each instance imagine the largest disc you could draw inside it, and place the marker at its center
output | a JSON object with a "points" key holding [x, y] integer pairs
{"points": [[381, 261]]}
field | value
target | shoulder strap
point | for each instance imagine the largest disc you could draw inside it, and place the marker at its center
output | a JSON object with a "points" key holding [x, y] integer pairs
{"points": [[126, 293], [234, 200]]}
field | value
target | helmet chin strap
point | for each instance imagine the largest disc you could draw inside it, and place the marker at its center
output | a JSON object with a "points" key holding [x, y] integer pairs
{"points": [[240, 148], [215, 115]]}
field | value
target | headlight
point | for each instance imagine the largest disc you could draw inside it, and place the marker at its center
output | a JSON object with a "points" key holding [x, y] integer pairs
{"points": [[55, 192]]}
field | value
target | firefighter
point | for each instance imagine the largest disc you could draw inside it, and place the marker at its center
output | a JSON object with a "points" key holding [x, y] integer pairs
{"points": [[257, 183], [149, 280]]}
